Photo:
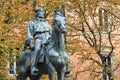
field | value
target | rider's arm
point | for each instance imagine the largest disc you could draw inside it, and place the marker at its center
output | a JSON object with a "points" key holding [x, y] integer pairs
{"points": [[29, 34]]}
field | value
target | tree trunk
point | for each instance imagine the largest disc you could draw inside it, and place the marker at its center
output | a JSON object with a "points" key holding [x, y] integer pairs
{"points": [[107, 68]]}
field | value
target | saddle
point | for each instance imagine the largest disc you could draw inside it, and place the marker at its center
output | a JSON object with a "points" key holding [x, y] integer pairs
{"points": [[40, 56]]}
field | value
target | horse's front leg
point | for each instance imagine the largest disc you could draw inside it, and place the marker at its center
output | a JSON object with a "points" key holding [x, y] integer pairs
{"points": [[51, 72], [22, 73], [61, 74], [33, 77]]}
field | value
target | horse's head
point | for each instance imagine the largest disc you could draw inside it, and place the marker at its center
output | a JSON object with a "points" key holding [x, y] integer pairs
{"points": [[60, 22]]}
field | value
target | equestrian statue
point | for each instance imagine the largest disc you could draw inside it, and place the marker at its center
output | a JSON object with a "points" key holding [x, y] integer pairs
{"points": [[47, 52]]}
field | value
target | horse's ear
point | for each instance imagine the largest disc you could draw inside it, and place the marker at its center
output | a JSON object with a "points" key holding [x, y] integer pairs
{"points": [[55, 12], [61, 11]]}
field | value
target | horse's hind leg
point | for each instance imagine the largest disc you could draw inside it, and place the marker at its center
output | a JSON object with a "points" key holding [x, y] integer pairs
{"points": [[22, 73], [32, 77]]}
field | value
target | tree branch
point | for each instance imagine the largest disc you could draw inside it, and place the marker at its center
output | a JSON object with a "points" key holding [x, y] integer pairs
{"points": [[112, 47], [89, 39], [111, 13]]}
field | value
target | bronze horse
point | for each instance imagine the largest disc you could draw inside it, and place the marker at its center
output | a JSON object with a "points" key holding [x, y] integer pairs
{"points": [[55, 57]]}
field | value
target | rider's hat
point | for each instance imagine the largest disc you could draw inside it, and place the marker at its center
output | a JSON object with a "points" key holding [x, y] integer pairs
{"points": [[39, 10]]}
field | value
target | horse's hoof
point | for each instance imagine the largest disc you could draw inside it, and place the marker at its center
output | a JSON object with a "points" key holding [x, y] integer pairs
{"points": [[34, 73], [67, 74]]}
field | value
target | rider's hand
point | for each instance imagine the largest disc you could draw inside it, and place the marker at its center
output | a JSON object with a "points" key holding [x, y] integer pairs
{"points": [[45, 42], [32, 46]]}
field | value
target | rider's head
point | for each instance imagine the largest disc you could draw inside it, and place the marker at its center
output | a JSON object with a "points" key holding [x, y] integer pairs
{"points": [[39, 12]]}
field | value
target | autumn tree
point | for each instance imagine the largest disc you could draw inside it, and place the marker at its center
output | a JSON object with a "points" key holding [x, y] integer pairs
{"points": [[82, 16], [14, 14], [14, 17], [94, 20]]}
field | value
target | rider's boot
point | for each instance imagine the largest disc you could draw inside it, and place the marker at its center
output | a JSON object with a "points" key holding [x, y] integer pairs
{"points": [[34, 70]]}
